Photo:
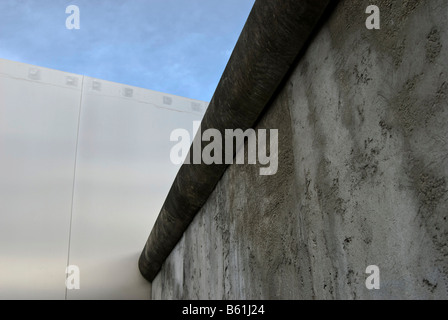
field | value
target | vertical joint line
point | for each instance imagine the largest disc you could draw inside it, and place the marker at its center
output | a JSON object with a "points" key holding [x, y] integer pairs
{"points": [[74, 179]]}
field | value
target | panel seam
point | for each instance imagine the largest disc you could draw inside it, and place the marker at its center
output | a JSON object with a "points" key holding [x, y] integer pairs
{"points": [[73, 184]]}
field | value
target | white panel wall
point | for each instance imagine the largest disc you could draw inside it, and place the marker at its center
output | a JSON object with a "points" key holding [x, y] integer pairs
{"points": [[119, 179], [122, 178], [38, 128]]}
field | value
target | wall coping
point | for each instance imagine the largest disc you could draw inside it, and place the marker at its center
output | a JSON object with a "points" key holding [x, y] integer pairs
{"points": [[273, 37]]}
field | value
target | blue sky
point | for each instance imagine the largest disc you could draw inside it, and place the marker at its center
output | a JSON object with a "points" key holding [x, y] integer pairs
{"points": [[174, 46]]}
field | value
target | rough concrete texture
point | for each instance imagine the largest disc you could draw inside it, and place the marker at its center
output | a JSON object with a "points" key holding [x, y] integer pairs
{"points": [[262, 56], [362, 179]]}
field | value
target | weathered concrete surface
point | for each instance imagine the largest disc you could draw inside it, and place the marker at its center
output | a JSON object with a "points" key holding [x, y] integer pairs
{"points": [[273, 36], [362, 179]]}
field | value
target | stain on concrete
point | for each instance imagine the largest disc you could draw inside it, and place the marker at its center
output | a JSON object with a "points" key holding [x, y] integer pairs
{"points": [[433, 45], [407, 111]]}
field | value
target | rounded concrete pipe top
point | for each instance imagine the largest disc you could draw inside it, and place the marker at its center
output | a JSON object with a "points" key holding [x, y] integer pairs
{"points": [[275, 33]]}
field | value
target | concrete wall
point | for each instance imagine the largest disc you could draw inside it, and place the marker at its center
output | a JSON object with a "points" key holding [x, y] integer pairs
{"points": [[362, 179]]}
